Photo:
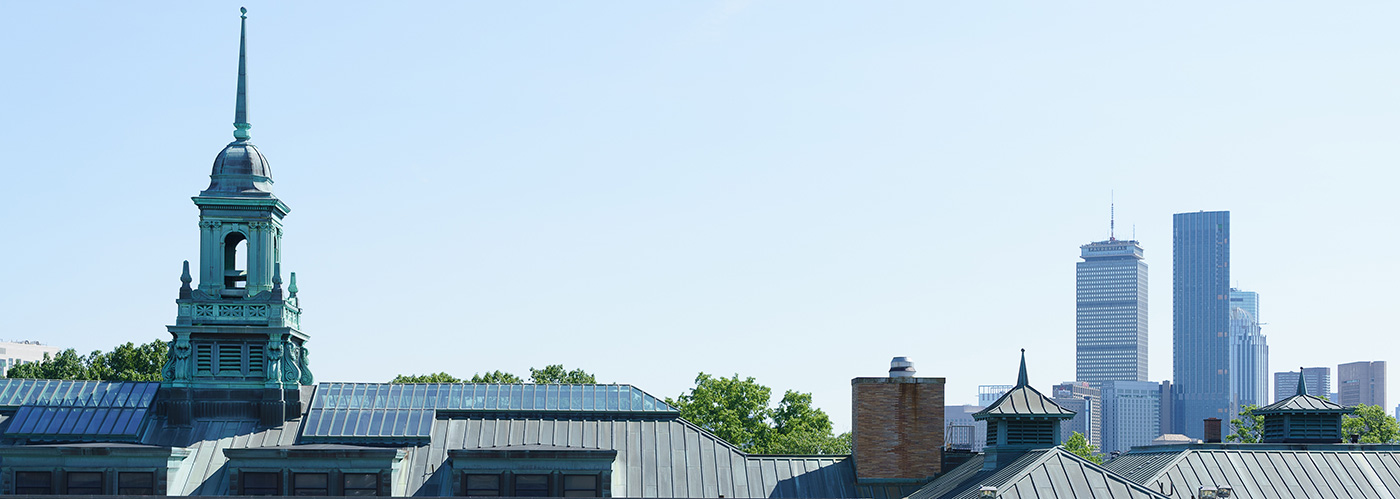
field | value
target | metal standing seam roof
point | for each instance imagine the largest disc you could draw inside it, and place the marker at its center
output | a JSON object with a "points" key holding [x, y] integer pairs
{"points": [[1273, 471], [655, 458], [1303, 404], [1024, 401], [1039, 474]]}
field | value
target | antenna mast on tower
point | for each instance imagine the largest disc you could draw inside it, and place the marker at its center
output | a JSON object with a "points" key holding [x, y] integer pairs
{"points": [[1111, 217]]}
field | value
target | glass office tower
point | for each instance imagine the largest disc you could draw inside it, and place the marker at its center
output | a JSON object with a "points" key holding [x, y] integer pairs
{"points": [[1200, 320], [1110, 313]]}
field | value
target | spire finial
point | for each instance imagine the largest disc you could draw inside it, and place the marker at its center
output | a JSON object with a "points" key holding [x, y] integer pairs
{"points": [[1022, 380], [1302, 383], [240, 107]]}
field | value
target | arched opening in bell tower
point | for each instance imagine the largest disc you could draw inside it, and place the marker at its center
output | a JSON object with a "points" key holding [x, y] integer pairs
{"points": [[235, 261]]}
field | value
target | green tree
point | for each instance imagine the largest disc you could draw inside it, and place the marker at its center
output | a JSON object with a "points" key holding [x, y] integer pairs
{"points": [[1249, 427], [737, 410], [126, 362], [426, 378], [555, 373], [501, 377], [1372, 424], [1080, 446]]}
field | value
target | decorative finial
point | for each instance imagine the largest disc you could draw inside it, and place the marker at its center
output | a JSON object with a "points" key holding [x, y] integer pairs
{"points": [[277, 276], [1302, 382], [185, 281], [292, 287], [1022, 379], [240, 106]]}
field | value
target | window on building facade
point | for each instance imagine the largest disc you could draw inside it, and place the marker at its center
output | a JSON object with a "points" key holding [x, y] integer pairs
{"points": [[482, 485], [311, 484], [361, 484], [581, 486], [260, 484], [88, 483], [531, 486], [33, 482], [136, 483]]}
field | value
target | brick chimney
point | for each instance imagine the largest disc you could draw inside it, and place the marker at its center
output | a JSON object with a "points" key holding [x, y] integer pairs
{"points": [[1212, 431], [897, 426]]}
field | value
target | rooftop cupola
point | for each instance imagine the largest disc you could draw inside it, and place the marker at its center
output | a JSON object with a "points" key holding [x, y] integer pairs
{"points": [[1021, 420], [240, 170], [1303, 418]]}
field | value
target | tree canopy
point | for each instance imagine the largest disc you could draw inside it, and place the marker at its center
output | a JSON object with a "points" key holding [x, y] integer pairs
{"points": [[1373, 425], [738, 411], [553, 373], [126, 362], [1248, 427], [1080, 446]]}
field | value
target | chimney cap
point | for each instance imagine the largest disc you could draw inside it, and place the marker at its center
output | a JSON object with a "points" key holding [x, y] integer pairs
{"points": [[901, 367]]}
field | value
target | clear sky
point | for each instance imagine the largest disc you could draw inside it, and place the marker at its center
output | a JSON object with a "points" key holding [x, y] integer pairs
{"points": [[795, 191]]}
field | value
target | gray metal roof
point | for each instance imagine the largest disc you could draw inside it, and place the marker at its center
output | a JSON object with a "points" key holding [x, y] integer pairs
{"points": [[655, 458], [1024, 401], [1267, 470], [1039, 474], [1303, 404]]}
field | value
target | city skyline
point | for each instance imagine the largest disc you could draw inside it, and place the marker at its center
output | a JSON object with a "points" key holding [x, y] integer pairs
{"points": [[713, 179]]}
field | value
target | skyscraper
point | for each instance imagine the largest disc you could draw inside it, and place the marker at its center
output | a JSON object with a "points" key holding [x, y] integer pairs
{"points": [[1200, 320], [1361, 383], [1110, 312], [1247, 300], [1249, 359], [1319, 382]]}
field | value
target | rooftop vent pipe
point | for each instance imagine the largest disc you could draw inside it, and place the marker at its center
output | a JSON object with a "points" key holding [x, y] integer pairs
{"points": [[901, 367]]}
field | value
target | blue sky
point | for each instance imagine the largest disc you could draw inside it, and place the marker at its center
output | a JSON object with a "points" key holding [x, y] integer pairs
{"points": [[795, 191]]}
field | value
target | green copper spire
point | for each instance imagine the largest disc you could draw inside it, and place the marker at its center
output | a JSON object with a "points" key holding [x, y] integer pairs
{"points": [[240, 108], [1022, 380], [1302, 384]]}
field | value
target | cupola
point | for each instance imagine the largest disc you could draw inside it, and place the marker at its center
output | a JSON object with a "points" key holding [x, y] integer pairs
{"points": [[1021, 420], [1303, 418]]}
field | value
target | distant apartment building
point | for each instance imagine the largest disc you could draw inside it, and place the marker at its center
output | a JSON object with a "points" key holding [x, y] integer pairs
{"points": [[1319, 381], [986, 394], [13, 353], [962, 432], [1132, 412], [1249, 359], [1200, 320], [1087, 403], [1361, 383], [1110, 312]]}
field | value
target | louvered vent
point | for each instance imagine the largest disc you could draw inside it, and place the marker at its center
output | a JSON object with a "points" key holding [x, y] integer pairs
{"points": [[1030, 433], [255, 359], [202, 358], [230, 359]]}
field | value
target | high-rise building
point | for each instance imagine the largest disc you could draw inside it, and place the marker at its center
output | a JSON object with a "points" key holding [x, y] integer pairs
{"points": [[1110, 312], [1200, 320], [1361, 383], [986, 394], [1247, 300], [1249, 359], [1319, 382], [1165, 415], [1087, 403], [1130, 414]]}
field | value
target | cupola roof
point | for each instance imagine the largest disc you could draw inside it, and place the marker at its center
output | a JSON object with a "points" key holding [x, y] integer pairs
{"points": [[1023, 401]]}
